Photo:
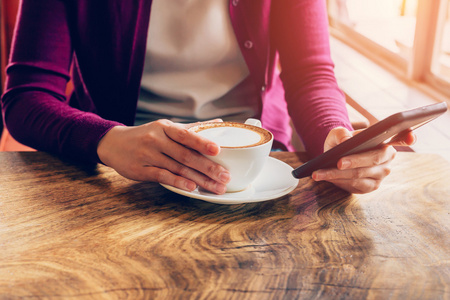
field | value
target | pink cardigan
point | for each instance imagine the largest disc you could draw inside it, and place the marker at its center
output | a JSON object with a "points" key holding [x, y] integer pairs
{"points": [[106, 42]]}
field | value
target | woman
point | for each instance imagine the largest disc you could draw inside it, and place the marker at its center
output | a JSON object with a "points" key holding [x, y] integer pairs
{"points": [[105, 43]]}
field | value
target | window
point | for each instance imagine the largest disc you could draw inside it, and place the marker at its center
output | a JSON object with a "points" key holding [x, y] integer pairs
{"points": [[441, 55], [409, 37]]}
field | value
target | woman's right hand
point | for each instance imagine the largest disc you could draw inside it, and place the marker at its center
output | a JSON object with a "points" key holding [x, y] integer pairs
{"points": [[164, 152]]}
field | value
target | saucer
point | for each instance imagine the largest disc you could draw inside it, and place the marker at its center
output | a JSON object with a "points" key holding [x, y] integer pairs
{"points": [[274, 181]]}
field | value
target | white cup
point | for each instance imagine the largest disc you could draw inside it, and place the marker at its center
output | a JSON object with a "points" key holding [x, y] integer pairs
{"points": [[244, 148]]}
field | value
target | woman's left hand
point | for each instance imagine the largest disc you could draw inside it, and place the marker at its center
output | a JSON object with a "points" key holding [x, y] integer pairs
{"points": [[363, 172]]}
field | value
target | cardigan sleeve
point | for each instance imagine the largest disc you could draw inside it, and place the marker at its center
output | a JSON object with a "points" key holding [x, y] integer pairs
{"points": [[299, 31], [36, 111]]}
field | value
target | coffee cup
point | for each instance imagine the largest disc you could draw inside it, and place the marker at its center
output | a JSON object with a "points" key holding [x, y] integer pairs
{"points": [[244, 148]]}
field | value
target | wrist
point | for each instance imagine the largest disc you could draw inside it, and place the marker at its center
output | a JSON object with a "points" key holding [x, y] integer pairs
{"points": [[105, 146]]}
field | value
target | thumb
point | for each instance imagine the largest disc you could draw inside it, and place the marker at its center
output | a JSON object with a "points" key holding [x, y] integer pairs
{"points": [[336, 136]]}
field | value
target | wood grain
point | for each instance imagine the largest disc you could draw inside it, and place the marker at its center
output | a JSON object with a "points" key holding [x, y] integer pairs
{"points": [[73, 231]]}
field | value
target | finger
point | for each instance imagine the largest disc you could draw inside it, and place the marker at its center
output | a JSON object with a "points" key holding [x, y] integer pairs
{"points": [[183, 136], [336, 136], [196, 161], [148, 172], [377, 173], [179, 159], [359, 186], [367, 159], [165, 162], [407, 138], [164, 176]]}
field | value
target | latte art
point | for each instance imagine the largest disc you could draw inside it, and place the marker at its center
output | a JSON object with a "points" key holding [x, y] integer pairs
{"points": [[233, 135]]}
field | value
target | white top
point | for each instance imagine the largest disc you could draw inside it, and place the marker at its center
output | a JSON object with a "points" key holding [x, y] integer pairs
{"points": [[192, 60]]}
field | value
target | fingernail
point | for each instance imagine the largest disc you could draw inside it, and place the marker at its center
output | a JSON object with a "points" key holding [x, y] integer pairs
{"points": [[190, 186], [318, 175], [345, 164], [212, 149], [220, 189], [225, 177]]}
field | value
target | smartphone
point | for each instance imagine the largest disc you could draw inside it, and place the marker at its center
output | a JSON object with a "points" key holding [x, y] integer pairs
{"points": [[372, 137]]}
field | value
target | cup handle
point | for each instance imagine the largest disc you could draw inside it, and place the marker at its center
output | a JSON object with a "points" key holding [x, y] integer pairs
{"points": [[254, 122]]}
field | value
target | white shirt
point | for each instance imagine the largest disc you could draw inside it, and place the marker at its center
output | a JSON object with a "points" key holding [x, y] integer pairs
{"points": [[193, 61]]}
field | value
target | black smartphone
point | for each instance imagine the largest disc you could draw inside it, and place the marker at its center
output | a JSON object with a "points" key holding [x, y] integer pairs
{"points": [[372, 137]]}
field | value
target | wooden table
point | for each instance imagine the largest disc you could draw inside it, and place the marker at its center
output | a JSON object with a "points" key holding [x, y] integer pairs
{"points": [[71, 231]]}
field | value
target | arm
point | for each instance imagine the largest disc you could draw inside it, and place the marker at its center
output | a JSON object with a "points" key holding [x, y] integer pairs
{"points": [[38, 115], [315, 102], [34, 104]]}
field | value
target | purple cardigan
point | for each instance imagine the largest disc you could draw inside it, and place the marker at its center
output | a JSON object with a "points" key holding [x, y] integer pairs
{"points": [[104, 42]]}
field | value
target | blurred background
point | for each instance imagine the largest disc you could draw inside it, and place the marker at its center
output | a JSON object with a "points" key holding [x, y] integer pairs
{"points": [[392, 55]]}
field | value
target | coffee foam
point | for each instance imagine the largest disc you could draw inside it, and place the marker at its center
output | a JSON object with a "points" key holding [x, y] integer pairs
{"points": [[233, 135]]}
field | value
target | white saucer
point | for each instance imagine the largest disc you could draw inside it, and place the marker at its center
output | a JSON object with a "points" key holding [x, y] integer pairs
{"points": [[274, 182]]}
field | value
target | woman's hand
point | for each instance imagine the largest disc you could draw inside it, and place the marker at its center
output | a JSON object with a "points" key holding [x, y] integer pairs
{"points": [[363, 172], [165, 152]]}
